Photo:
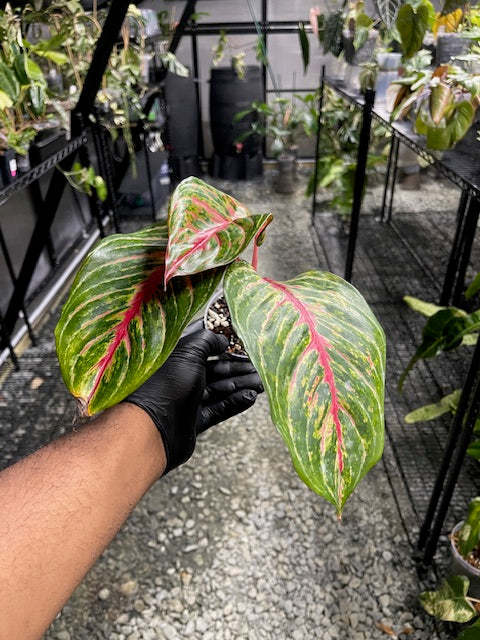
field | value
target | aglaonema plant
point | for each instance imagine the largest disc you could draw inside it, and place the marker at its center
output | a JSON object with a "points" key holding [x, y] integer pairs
{"points": [[314, 340]]}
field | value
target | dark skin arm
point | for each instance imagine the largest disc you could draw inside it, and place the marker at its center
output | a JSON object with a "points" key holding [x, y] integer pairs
{"points": [[61, 506]]}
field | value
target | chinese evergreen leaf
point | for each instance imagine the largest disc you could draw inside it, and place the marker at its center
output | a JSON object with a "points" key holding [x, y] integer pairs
{"points": [[207, 228], [443, 331], [427, 309], [321, 355], [440, 100], [449, 601], [119, 323], [473, 288]]}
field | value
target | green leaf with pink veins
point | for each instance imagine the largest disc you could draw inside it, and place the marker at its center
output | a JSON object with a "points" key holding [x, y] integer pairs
{"points": [[207, 228], [320, 352]]}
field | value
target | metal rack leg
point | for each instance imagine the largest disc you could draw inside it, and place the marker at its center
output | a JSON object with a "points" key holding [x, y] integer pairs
{"points": [[391, 168], [6, 339], [455, 251], [360, 172], [466, 249], [317, 141], [37, 242], [459, 438], [13, 278]]}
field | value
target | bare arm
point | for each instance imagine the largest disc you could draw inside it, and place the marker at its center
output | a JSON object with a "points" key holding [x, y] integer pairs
{"points": [[60, 508]]}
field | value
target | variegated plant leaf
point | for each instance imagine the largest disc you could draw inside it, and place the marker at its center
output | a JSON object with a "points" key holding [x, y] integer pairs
{"points": [[387, 11], [320, 352], [119, 323], [440, 100], [449, 602], [207, 228]]}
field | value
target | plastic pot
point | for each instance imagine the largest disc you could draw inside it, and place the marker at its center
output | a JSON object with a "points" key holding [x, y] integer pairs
{"points": [[459, 566]]}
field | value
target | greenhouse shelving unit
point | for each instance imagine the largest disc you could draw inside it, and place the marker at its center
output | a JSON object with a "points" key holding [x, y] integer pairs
{"points": [[463, 171]]}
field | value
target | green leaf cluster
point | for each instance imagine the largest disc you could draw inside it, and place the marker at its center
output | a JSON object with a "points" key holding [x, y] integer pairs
{"points": [[85, 180], [281, 120], [414, 19], [446, 329], [442, 103], [338, 151]]}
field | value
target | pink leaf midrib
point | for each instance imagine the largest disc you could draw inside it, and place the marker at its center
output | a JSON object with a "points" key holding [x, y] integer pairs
{"points": [[201, 237], [145, 291], [319, 344]]}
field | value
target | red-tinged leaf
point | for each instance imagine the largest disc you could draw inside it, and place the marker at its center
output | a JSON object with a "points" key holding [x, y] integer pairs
{"points": [[119, 323], [440, 100], [207, 228], [321, 355]]}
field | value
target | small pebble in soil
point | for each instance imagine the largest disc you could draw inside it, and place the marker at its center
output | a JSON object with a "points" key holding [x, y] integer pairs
{"points": [[219, 321]]}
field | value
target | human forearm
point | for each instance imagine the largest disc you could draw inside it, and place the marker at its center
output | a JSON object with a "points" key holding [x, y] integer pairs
{"points": [[96, 476]]}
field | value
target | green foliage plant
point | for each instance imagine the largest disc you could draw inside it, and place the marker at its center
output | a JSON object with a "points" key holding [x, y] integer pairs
{"points": [[315, 342], [451, 601], [23, 86], [413, 21], [280, 120], [85, 180], [338, 149], [441, 103], [446, 329], [330, 29], [237, 58]]}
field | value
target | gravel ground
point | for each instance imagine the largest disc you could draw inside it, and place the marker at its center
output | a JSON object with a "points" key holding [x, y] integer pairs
{"points": [[232, 545]]}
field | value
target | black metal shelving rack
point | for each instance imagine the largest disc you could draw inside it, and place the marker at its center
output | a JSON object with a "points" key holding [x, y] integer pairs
{"points": [[464, 172], [47, 207]]}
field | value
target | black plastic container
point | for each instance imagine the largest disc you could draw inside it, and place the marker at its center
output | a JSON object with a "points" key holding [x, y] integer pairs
{"points": [[230, 94], [46, 145], [180, 135]]}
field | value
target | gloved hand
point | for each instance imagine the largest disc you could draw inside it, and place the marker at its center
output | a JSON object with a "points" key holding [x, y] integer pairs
{"points": [[190, 393]]}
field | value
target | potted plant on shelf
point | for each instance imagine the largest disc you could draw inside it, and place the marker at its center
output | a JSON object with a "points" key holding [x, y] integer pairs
{"points": [[314, 340], [280, 121], [342, 34], [457, 598], [441, 103], [338, 152]]}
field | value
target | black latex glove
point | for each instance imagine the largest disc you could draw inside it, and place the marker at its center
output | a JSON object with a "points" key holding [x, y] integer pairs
{"points": [[190, 393]]}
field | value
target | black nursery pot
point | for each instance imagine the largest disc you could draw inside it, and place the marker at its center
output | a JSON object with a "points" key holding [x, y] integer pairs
{"points": [[217, 319]]}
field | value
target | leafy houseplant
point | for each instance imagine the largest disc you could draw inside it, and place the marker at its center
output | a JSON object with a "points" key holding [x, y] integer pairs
{"points": [[446, 329], [456, 599], [315, 342], [281, 121], [338, 151], [442, 103], [336, 29]]}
